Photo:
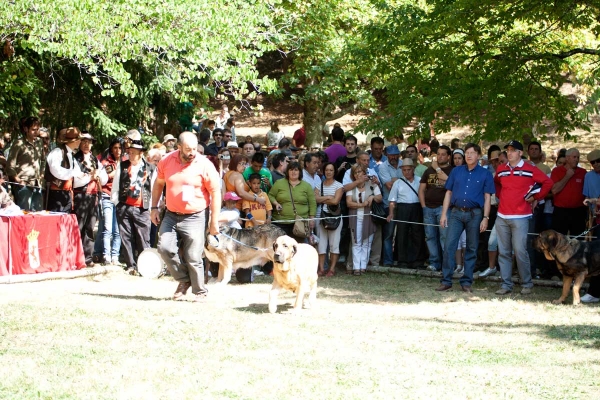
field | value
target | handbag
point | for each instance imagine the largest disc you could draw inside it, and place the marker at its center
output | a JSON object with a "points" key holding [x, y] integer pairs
{"points": [[331, 218], [301, 227], [378, 210]]}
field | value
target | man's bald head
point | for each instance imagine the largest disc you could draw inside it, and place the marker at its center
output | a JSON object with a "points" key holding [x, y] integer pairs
{"points": [[188, 138], [188, 146]]}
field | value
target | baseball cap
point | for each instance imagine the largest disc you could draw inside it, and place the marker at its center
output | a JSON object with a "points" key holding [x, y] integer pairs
{"points": [[232, 196], [514, 143]]}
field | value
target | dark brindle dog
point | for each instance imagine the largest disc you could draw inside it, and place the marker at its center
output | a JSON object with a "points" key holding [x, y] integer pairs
{"points": [[231, 254], [575, 260]]}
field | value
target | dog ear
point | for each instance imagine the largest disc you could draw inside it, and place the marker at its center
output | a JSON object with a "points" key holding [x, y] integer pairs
{"points": [[294, 249], [553, 239], [274, 246]]}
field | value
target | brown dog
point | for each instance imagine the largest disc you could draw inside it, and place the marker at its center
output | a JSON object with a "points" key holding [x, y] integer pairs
{"points": [[294, 268], [574, 259]]}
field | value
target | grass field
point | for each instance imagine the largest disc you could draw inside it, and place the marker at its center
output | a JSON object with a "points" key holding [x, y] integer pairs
{"points": [[370, 337]]}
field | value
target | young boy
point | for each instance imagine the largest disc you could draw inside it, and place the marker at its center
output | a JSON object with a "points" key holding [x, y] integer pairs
{"points": [[258, 214]]}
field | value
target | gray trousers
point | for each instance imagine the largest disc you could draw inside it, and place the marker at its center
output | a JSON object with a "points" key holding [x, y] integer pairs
{"points": [[188, 233]]}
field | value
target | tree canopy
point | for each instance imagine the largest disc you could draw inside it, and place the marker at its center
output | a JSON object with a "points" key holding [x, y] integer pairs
{"points": [[498, 67], [109, 63]]}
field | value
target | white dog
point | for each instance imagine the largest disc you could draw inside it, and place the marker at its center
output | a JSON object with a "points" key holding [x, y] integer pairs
{"points": [[295, 269]]}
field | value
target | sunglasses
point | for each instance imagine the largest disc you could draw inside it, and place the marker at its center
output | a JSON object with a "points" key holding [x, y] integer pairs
{"points": [[595, 161], [218, 134]]}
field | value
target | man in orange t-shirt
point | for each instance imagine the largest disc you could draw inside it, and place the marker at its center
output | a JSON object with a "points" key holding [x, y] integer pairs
{"points": [[192, 185]]}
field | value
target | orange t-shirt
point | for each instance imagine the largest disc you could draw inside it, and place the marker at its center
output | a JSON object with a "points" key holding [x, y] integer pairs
{"points": [[258, 211], [189, 186], [230, 187]]}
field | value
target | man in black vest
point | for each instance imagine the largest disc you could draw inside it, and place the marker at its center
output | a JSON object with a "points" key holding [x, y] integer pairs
{"points": [[60, 171], [85, 194], [131, 192]]}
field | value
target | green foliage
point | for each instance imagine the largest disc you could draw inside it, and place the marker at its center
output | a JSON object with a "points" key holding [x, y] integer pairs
{"points": [[316, 41], [119, 58], [499, 67]]}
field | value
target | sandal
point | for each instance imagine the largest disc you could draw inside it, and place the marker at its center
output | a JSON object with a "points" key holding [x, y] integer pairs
{"points": [[330, 273], [356, 272], [321, 273], [363, 271]]}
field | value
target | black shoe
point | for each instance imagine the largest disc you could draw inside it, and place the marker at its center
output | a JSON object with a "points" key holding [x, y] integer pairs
{"points": [[443, 288]]}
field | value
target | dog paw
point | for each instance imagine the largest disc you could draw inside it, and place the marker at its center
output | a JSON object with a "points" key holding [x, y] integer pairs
{"points": [[272, 308], [576, 303], [557, 302]]}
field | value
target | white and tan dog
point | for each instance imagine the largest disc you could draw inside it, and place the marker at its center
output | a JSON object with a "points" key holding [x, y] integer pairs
{"points": [[295, 269]]}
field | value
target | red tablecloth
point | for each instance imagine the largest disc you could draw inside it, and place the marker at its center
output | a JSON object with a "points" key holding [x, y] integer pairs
{"points": [[40, 243]]}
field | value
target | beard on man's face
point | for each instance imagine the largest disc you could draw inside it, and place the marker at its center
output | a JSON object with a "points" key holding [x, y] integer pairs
{"points": [[188, 157]]}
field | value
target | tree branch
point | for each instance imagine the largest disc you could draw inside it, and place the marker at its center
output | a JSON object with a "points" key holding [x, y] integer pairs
{"points": [[546, 56]]}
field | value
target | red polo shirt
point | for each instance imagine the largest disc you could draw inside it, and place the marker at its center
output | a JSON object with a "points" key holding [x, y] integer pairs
{"points": [[188, 186], [572, 194]]}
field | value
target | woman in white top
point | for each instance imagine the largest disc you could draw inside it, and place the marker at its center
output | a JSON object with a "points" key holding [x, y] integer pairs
{"points": [[363, 229], [222, 118], [328, 195], [274, 135]]}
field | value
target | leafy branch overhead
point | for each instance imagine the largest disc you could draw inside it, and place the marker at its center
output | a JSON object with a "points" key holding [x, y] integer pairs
{"points": [[500, 67], [185, 49]]}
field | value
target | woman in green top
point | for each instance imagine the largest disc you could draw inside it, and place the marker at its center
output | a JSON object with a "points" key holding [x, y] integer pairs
{"points": [[304, 200]]}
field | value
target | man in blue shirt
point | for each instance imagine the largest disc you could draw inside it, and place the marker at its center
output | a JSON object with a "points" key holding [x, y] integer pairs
{"points": [[389, 172], [377, 158], [469, 189]]}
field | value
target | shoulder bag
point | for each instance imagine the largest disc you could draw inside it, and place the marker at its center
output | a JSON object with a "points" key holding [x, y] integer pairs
{"points": [[379, 216], [331, 218], [301, 227]]}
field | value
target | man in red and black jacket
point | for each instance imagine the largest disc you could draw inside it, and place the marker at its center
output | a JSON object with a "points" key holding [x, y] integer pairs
{"points": [[519, 186]]}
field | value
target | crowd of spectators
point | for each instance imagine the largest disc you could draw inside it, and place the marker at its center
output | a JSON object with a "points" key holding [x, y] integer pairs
{"points": [[449, 208]]}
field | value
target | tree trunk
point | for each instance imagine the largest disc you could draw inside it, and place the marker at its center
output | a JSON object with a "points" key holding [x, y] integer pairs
{"points": [[314, 121]]}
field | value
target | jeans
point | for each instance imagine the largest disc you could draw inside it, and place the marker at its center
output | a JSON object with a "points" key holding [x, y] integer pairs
{"points": [[187, 232], [435, 236], [388, 241], [111, 239], [512, 236], [458, 221]]}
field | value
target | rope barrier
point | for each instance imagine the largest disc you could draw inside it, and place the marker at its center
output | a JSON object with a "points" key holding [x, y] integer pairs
{"points": [[290, 221]]}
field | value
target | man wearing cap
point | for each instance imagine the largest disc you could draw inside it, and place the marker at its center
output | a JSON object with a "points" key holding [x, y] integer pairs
{"points": [[389, 172], [213, 148], [468, 192], [570, 215], [24, 166], [411, 152], [131, 192], [169, 142], [591, 191], [61, 168], [431, 197], [404, 205], [86, 190], [192, 187], [233, 148], [256, 167], [514, 183]]}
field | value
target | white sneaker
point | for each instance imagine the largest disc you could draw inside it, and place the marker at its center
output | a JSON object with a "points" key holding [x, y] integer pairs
{"points": [[432, 268], [588, 298], [488, 272], [459, 269]]}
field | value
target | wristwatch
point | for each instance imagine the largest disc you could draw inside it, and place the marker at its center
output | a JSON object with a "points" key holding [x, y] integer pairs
{"points": [[486, 217]]}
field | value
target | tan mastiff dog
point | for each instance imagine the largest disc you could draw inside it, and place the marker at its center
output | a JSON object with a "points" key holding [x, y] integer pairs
{"points": [[294, 268]]}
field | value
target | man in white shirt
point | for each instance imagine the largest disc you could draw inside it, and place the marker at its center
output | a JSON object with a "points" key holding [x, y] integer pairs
{"points": [[389, 172], [60, 171], [309, 175], [405, 206]]}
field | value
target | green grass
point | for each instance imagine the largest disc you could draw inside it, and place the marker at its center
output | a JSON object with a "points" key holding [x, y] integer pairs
{"points": [[370, 337]]}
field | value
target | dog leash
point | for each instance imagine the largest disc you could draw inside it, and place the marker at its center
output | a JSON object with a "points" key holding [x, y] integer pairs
{"points": [[214, 237]]}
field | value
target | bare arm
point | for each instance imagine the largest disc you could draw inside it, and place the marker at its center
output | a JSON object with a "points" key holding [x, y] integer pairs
{"points": [[560, 185], [422, 187], [157, 190], [445, 207], [486, 212]]}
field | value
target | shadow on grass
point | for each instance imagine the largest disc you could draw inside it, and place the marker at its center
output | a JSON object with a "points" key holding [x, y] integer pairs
{"points": [[263, 308], [407, 289], [126, 297], [586, 336]]}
